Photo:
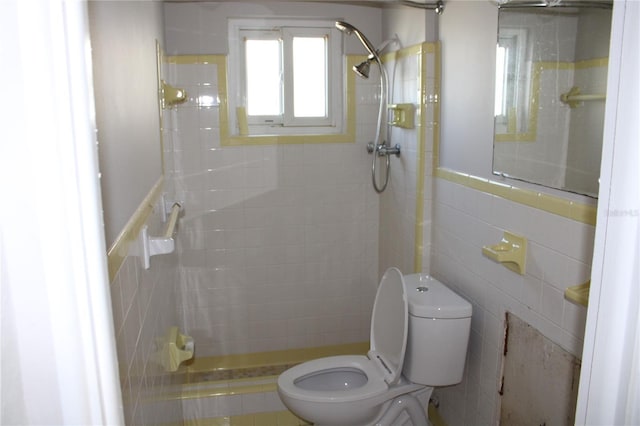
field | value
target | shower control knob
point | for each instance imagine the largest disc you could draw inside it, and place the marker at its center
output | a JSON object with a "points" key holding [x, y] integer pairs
{"points": [[370, 147], [388, 150]]}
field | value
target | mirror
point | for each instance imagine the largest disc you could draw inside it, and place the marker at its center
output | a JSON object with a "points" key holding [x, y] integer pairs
{"points": [[551, 75]]}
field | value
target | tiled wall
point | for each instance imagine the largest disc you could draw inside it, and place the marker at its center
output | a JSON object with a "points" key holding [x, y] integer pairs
{"points": [[144, 307], [542, 158], [123, 43], [562, 147], [405, 241], [539, 158], [586, 129], [469, 213], [559, 256], [279, 243]]}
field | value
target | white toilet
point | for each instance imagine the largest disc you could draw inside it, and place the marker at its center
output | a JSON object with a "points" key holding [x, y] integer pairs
{"points": [[419, 336]]}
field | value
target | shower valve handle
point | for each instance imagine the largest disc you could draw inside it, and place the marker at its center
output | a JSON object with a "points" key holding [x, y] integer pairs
{"points": [[383, 149], [370, 147]]}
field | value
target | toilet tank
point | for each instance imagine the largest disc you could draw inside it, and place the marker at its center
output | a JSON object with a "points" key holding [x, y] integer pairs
{"points": [[438, 336]]}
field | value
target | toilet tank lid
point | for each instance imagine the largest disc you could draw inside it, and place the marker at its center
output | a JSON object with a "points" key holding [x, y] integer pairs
{"points": [[429, 298]]}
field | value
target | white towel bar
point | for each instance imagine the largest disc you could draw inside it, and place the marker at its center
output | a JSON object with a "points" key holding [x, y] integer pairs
{"points": [[573, 97], [173, 219]]}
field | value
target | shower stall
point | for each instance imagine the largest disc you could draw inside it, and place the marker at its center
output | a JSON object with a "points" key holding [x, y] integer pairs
{"points": [[279, 244]]}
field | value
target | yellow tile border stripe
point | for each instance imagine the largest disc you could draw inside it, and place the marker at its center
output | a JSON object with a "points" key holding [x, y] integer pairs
{"points": [[120, 248], [552, 204], [348, 136], [537, 69], [227, 139], [420, 51], [286, 356], [575, 210], [420, 169], [227, 390], [434, 416], [257, 359], [277, 418], [592, 63], [435, 49]]}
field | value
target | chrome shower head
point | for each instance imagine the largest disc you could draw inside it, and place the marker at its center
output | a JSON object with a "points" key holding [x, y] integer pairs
{"points": [[345, 27], [362, 69], [350, 29]]}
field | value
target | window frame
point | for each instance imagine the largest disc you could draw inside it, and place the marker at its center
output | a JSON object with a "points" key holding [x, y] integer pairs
{"points": [[334, 122]]}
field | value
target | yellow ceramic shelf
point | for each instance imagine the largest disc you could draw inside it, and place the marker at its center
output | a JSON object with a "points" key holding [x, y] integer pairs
{"points": [[578, 294], [511, 251], [402, 115]]}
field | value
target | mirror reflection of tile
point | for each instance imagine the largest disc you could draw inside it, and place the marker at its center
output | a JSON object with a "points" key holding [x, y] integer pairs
{"points": [[551, 73]]}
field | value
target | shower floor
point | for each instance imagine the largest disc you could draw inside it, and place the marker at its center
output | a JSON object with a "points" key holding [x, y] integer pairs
{"points": [[282, 418], [260, 364], [236, 373], [242, 389]]}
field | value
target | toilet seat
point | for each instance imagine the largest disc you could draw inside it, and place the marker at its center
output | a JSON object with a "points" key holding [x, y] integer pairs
{"points": [[390, 325], [374, 386], [383, 364]]}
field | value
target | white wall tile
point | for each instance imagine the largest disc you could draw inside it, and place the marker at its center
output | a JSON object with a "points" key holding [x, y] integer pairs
{"points": [[558, 256], [143, 309], [260, 209]]}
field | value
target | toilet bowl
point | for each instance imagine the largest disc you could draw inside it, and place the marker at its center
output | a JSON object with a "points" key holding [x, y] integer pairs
{"points": [[375, 389], [340, 390]]}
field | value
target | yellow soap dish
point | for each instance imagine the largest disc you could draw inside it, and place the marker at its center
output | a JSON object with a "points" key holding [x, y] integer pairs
{"points": [[402, 115], [511, 251]]}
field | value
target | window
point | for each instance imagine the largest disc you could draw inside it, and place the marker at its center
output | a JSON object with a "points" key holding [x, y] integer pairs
{"points": [[512, 89], [285, 77]]}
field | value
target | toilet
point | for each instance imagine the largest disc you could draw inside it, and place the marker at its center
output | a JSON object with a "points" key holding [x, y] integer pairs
{"points": [[419, 336]]}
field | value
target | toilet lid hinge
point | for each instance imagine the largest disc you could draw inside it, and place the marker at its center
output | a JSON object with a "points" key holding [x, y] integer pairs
{"points": [[384, 364]]}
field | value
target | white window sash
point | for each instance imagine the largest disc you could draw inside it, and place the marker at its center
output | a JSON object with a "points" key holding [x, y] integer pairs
{"points": [[332, 123], [289, 118], [272, 34]]}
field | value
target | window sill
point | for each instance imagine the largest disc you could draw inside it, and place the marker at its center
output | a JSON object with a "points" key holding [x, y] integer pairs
{"points": [[348, 137]]}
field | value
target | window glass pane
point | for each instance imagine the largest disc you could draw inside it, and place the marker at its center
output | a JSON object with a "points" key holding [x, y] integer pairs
{"points": [[263, 77], [501, 64], [309, 77]]}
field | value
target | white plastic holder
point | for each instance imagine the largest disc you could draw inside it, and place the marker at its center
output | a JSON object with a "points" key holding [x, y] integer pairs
{"points": [[173, 349], [152, 246], [167, 205]]}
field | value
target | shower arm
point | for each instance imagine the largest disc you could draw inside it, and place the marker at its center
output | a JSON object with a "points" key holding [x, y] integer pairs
{"points": [[384, 79], [437, 7], [383, 46], [509, 4]]}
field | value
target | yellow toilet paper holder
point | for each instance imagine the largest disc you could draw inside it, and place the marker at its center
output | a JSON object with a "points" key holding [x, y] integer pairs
{"points": [[175, 348], [511, 251]]}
